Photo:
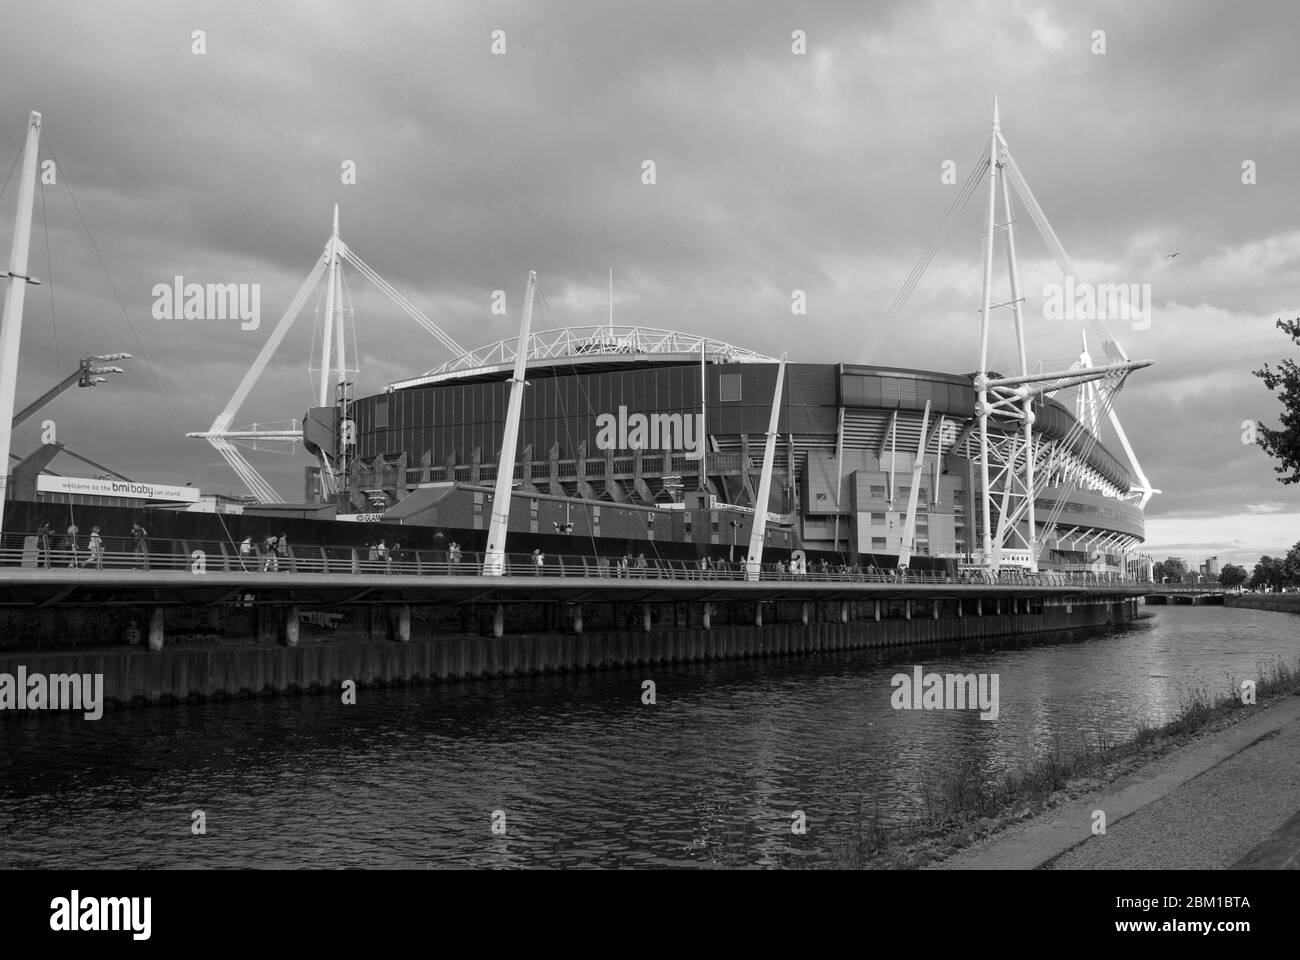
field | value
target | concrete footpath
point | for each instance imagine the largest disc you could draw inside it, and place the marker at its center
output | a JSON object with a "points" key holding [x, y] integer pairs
{"points": [[1228, 799]]}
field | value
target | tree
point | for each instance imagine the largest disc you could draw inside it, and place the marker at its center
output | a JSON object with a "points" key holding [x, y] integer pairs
{"points": [[1170, 567], [1232, 575], [1268, 573], [1291, 565], [1283, 443]]}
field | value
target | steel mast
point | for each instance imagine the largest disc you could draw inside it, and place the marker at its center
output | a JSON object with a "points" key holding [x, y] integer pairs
{"points": [[495, 559], [758, 531], [12, 324]]}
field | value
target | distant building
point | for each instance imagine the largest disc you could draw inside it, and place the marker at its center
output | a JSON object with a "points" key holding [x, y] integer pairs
{"points": [[1210, 568]]}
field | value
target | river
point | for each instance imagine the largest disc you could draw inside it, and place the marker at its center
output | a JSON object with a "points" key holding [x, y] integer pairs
{"points": [[580, 770]]}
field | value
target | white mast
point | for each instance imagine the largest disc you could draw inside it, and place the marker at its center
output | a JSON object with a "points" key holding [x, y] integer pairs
{"points": [[703, 439], [332, 254], [758, 531], [981, 379], [11, 328], [494, 559]]}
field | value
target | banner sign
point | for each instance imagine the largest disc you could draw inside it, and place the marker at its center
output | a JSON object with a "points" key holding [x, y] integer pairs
{"points": [[116, 488]]}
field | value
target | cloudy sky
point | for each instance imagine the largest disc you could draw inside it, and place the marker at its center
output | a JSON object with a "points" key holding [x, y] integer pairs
{"points": [[775, 172]]}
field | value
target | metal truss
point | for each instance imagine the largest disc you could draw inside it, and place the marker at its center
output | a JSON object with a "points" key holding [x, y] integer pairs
{"points": [[1011, 466], [581, 344]]}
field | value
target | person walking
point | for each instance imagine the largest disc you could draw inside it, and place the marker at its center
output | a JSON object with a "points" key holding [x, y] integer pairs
{"points": [[96, 547], [270, 563], [43, 543], [539, 558], [381, 553], [282, 551], [70, 544], [245, 552], [141, 538]]}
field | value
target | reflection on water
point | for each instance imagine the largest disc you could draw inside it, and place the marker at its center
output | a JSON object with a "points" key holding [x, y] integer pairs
{"points": [[585, 774]]}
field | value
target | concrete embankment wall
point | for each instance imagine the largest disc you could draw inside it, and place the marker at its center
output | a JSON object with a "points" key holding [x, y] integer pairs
{"points": [[138, 675], [1280, 602]]}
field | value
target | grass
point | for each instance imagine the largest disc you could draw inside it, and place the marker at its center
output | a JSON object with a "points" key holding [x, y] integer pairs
{"points": [[960, 805]]}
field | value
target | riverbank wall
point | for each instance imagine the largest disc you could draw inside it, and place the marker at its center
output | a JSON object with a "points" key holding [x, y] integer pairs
{"points": [[215, 652], [1279, 602]]}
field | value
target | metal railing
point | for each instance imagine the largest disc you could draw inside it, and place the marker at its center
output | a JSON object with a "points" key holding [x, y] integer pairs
{"points": [[120, 553]]}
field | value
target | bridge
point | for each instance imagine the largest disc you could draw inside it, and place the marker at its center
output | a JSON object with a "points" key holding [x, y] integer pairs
{"points": [[1168, 594]]}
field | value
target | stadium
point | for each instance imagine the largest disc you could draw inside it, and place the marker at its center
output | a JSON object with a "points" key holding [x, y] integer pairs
{"points": [[635, 440]]}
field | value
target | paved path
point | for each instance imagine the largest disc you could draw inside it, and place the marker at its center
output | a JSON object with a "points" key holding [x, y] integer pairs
{"points": [[1230, 799]]}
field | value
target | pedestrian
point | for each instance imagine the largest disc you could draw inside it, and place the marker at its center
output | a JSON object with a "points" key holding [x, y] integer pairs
{"points": [[245, 552], [641, 565], [141, 537], [270, 563], [282, 551], [381, 553], [70, 544], [539, 558], [395, 556], [43, 543], [96, 546]]}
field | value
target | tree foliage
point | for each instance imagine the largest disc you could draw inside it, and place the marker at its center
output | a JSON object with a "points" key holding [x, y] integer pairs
{"points": [[1277, 572], [1172, 568], [1283, 443], [1232, 575]]}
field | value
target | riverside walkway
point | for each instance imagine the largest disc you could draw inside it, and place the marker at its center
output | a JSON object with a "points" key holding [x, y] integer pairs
{"points": [[1227, 799], [197, 572]]}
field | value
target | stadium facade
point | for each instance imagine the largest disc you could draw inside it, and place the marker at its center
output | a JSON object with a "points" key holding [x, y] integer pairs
{"points": [[649, 441]]}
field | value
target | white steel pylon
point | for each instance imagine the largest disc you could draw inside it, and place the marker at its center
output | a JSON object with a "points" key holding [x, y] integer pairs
{"points": [[1010, 460], [494, 560], [220, 433]]}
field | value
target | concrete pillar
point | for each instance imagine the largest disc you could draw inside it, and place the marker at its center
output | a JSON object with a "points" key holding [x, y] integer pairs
{"points": [[499, 621], [877, 611], [907, 609], [156, 628], [404, 623], [979, 606], [577, 618], [803, 613], [844, 611], [936, 609], [645, 616], [707, 617], [291, 626], [961, 613], [758, 614]]}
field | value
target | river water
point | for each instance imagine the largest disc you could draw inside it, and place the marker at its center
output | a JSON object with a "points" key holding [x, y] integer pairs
{"points": [[584, 773]]}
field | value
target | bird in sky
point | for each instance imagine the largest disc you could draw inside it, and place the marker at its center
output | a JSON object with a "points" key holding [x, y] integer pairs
{"points": [[1170, 256]]}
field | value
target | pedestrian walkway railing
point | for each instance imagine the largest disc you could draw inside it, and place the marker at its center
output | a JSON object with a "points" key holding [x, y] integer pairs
{"points": [[203, 556]]}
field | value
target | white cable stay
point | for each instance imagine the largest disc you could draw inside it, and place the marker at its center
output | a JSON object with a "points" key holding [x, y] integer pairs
{"points": [[411, 310]]}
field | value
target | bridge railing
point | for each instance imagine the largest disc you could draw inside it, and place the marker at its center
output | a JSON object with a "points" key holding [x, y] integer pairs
{"points": [[122, 553]]}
